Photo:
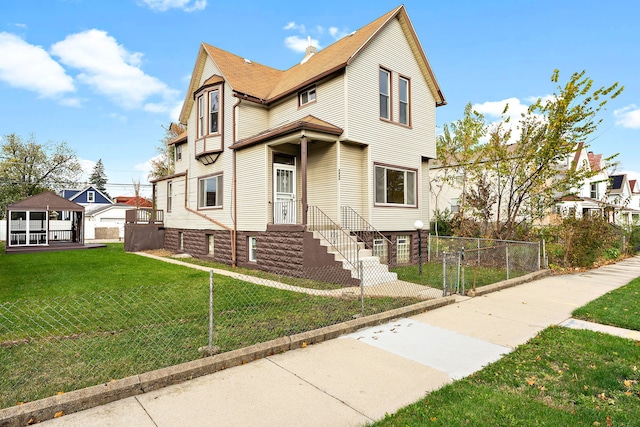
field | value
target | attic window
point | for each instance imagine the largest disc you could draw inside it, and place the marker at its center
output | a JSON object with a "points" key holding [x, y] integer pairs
{"points": [[91, 196], [306, 96]]}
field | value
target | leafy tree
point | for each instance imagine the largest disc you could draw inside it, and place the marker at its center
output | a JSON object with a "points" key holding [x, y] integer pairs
{"points": [[98, 177], [28, 168], [163, 164], [521, 180]]}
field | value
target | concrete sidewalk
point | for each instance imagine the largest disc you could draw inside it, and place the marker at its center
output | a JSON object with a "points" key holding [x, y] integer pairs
{"points": [[359, 377]]}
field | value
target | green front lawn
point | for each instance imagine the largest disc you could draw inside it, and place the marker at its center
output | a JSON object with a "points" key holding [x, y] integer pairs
{"points": [[620, 307], [77, 318], [562, 377]]}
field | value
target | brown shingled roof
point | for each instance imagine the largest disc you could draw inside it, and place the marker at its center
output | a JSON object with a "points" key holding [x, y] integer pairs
{"points": [[268, 85]]}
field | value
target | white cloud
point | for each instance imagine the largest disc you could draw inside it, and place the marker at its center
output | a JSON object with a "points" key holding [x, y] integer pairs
{"points": [[337, 34], [299, 44], [185, 5], [71, 102], [20, 25], [108, 68], [30, 67], [146, 166], [87, 168], [628, 117], [494, 110], [293, 26]]}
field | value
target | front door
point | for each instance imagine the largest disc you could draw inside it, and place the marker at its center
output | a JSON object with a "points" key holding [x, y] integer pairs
{"points": [[284, 194]]}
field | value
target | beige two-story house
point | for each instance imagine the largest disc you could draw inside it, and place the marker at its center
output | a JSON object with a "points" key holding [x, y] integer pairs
{"points": [[284, 170]]}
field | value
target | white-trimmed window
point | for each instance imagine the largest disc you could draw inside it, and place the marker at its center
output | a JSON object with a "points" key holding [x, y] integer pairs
{"points": [[385, 94], [91, 196], [306, 96], [210, 244], [169, 195], [253, 248], [455, 205], [213, 111], [201, 115], [402, 249], [404, 110], [395, 186], [594, 190], [178, 152], [210, 192], [208, 114], [380, 249]]}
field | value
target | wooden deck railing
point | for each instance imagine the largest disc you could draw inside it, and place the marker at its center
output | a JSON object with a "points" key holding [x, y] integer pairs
{"points": [[144, 216]]}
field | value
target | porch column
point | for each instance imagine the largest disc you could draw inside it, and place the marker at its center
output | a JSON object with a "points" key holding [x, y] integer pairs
{"points": [[303, 161]]}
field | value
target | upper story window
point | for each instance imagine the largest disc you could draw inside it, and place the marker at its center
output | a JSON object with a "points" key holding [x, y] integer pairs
{"points": [[385, 94], [208, 113], [210, 192], [213, 111], [594, 190], [395, 186], [91, 196], [169, 195], [403, 97], [306, 96], [178, 152]]}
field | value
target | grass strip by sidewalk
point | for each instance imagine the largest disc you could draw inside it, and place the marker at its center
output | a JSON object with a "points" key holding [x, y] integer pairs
{"points": [[620, 307], [561, 377]]}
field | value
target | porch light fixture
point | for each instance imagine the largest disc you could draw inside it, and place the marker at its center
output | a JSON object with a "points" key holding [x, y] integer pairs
{"points": [[418, 225]]}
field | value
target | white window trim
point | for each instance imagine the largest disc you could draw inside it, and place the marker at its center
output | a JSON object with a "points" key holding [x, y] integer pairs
{"points": [[406, 191], [211, 112], [91, 196], [310, 95], [178, 152], [407, 102], [169, 195], [219, 189], [403, 249], [387, 94], [252, 248]]}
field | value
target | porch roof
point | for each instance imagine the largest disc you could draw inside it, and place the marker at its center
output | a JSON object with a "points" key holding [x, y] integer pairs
{"points": [[48, 201], [306, 123]]}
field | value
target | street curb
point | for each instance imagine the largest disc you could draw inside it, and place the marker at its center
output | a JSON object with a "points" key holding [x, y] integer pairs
{"points": [[79, 400], [509, 283]]}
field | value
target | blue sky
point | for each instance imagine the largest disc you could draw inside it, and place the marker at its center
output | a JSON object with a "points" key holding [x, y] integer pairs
{"points": [[105, 76]]}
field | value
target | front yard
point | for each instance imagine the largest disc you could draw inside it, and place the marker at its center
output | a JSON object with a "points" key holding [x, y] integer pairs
{"points": [[78, 318]]}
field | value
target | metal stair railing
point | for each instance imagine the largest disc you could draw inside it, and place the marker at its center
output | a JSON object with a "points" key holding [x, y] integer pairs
{"points": [[366, 232], [340, 240]]}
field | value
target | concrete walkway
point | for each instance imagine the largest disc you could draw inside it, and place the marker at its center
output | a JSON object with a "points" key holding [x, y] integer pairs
{"points": [[359, 377]]}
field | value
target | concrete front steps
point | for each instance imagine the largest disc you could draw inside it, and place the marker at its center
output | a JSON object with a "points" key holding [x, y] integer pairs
{"points": [[373, 271]]}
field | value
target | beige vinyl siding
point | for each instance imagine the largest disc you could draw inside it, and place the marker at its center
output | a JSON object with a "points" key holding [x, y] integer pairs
{"points": [[180, 217], [391, 143], [328, 106], [251, 118], [322, 180], [352, 171], [253, 193]]}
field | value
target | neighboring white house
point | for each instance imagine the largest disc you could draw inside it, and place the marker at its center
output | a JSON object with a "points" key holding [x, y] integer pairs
{"points": [[106, 222]]}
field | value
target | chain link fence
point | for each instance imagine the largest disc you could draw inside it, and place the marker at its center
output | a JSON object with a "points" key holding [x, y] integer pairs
{"points": [[60, 344], [471, 262]]}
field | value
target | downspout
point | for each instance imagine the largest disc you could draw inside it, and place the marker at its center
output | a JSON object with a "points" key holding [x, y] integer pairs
{"points": [[188, 209], [234, 233]]}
